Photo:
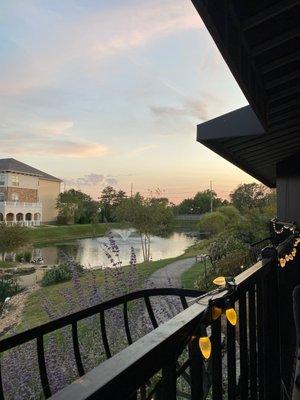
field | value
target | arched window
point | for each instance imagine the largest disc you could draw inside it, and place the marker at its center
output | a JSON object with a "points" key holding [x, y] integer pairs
{"points": [[9, 217], [20, 217], [28, 217], [37, 216]]}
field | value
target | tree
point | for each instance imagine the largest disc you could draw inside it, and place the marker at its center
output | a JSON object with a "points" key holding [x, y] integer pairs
{"points": [[110, 199], [212, 223], [250, 195], [200, 203], [12, 238], [149, 216], [75, 206]]}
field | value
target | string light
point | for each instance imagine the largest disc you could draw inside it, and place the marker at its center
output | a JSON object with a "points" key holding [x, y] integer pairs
{"points": [[291, 228], [289, 256], [231, 316], [205, 346], [216, 307]]}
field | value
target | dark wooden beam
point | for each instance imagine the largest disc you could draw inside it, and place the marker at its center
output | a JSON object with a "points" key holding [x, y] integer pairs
{"points": [[268, 13], [283, 116], [280, 62], [275, 41], [283, 79], [284, 93], [285, 105], [289, 122]]}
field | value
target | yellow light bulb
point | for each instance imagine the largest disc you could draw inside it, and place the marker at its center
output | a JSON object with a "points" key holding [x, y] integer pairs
{"points": [[287, 257], [282, 262], [216, 312], [291, 257], [231, 316], [220, 281], [205, 346]]}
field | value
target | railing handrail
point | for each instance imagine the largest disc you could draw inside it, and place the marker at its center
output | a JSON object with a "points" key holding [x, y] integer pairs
{"points": [[128, 370], [21, 203]]}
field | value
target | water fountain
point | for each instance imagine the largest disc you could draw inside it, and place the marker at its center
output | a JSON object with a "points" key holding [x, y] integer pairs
{"points": [[123, 233]]}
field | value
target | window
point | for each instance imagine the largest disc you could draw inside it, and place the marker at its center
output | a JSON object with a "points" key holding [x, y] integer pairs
{"points": [[2, 179], [15, 197], [1, 197], [15, 180]]}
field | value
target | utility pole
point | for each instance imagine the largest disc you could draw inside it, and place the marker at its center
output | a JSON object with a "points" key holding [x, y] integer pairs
{"points": [[211, 197], [131, 190]]}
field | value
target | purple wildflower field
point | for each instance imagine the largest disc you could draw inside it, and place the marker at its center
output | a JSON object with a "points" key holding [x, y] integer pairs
{"points": [[19, 366]]}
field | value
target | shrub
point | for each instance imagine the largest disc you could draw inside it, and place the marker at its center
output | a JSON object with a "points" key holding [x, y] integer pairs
{"points": [[213, 223], [8, 287], [27, 256], [59, 273], [231, 265], [231, 213], [19, 257]]}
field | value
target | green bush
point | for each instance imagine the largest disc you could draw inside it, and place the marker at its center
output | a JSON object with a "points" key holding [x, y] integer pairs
{"points": [[59, 273], [27, 256], [213, 223], [20, 257], [8, 287], [231, 265]]}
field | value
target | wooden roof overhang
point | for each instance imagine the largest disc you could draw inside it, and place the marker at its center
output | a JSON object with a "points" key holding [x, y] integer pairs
{"points": [[260, 42]]}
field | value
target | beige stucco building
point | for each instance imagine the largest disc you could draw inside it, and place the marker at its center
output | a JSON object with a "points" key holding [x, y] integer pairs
{"points": [[27, 195]]}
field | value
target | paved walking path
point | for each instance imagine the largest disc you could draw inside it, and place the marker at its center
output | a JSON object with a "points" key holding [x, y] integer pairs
{"points": [[170, 275]]}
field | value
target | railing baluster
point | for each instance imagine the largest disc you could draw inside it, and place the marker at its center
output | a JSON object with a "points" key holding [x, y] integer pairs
{"points": [[260, 338], [126, 323], [42, 366], [79, 364], [150, 312], [168, 383], [104, 335], [217, 392], [253, 343], [231, 361], [196, 368], [243, 346], [183, 302], [1, 386]]}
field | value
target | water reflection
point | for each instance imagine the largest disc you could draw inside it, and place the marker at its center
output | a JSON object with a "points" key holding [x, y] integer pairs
{"points": [[90, 252]]}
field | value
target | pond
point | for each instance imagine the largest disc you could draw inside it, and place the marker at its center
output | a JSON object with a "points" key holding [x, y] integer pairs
{"points": [[90, 252]]}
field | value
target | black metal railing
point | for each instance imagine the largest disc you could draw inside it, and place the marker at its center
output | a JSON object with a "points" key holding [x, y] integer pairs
{"points": [[245, 361], [38, 334]]}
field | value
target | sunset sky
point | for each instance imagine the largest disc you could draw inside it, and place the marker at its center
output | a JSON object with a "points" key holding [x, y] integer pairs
{"points": [[102, 92]]}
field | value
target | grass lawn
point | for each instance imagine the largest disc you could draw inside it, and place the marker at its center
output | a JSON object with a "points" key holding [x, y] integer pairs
{"points": [[55, 233], [189, 277], [8, 264], [34, 313]]}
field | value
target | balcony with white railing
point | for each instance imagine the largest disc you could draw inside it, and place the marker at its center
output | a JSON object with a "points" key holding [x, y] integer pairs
{"points": [[22, 213]]}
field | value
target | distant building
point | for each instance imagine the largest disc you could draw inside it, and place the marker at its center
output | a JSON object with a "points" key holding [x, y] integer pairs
{"points": [[27, 195]]}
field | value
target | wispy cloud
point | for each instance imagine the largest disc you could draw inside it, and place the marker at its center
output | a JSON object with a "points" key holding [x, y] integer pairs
{"points": [[85, 41], [18, 144], [190, 107], [91, 183]]}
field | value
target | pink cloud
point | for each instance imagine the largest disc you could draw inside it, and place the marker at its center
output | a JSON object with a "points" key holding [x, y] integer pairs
{"points": [[52, 148], [89, 39]]}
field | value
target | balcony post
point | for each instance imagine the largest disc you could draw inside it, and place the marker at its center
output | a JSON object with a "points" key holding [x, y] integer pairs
{"points": [[288, 194]]}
